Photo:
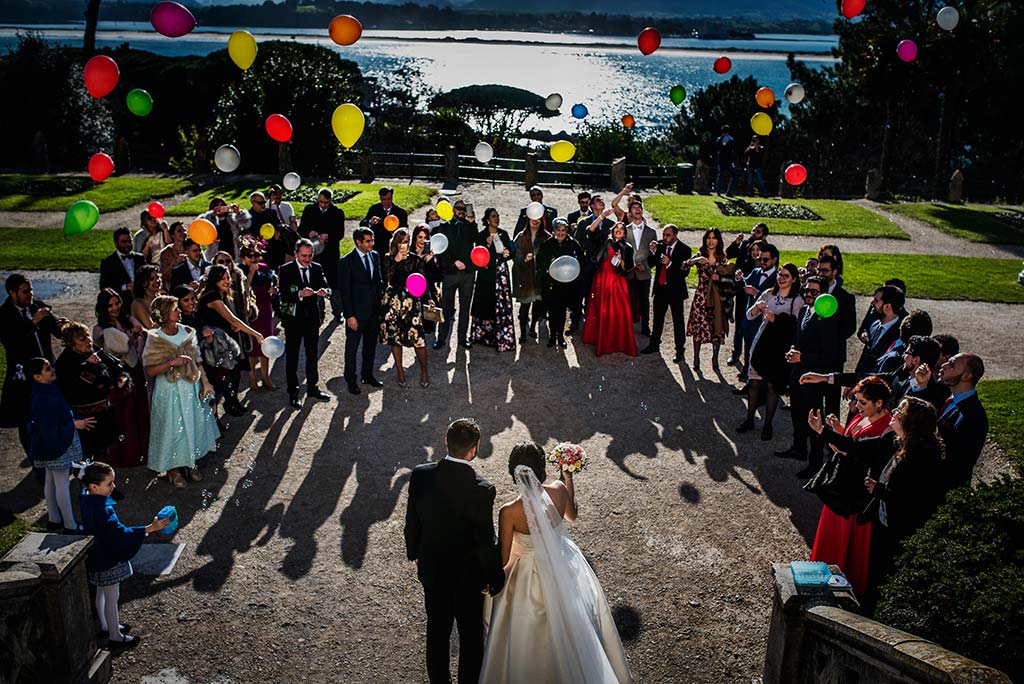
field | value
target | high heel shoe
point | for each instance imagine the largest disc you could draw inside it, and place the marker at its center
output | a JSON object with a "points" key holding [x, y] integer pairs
{"points": [[402, 382], [424, 384]]}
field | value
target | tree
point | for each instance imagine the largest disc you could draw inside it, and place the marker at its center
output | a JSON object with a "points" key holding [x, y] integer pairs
{"points": [[92, 16], [496, 112]]}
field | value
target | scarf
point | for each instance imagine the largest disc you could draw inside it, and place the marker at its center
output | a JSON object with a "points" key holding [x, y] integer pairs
{"points": [[159, 350]]}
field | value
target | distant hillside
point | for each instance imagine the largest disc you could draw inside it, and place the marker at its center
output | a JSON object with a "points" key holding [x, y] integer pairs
{"points": [[761, 9]]}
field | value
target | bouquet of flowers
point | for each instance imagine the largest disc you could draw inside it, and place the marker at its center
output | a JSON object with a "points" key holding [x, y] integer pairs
{"points": [[569, 457]]}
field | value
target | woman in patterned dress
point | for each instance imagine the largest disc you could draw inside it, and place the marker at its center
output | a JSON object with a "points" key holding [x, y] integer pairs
{"points": [[402, 323], [705, 324], [492, 323]]}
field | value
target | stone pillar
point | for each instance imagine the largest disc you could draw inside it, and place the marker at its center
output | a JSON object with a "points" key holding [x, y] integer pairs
{"points": [[122, 155], [49, 631], [873, 185], [618, 173], [531, 174], [451, 166], [700, 178], [684, 179], [956, 187], [284, 158], [366, 172]]}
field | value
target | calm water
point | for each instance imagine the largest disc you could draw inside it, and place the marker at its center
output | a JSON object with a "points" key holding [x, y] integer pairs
{"points": [[607, 74]]}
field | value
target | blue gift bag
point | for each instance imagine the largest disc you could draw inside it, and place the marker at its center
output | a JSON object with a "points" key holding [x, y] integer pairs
{"points": [[172, 513]]}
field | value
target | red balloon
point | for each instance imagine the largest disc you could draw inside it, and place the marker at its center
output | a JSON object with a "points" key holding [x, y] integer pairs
{"points": [[796, 174], [100, 167], [156, 210], [628, 121], [722, 65], [852, 8], [480, 256], [648, 41], [101, 74], [279, 128]]}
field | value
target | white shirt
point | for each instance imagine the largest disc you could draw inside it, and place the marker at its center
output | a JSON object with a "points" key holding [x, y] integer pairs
{"points": [[195, 270], [449, 457], [366, 259], [284, 212], [129, 264], [765, 275], [638, 232]]}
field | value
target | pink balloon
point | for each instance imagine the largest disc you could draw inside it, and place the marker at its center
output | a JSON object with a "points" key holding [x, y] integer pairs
{"points": [[416, 284], [171, 19], [907, 50]]}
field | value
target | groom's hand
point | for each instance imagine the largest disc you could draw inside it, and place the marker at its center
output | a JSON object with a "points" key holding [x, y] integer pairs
{"points": [[486, 590]]}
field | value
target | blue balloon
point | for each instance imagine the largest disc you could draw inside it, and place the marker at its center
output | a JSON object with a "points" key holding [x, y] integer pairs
{"points": [[580, 111]]}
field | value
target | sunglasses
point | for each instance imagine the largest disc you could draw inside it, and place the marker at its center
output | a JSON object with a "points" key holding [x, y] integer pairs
{"points": [[259, 202], [810, 293], [765, 260], [460, 208], [223, 262]]}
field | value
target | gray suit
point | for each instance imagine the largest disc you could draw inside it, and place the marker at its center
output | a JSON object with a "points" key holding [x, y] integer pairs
{"points": [[640, 281]]}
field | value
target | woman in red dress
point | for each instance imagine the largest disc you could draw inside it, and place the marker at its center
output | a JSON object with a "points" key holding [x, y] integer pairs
{"points": [[609, 324], [840, 540]]}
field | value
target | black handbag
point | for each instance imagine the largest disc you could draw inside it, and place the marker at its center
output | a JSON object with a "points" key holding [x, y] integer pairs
{"points": [[839, 484]]}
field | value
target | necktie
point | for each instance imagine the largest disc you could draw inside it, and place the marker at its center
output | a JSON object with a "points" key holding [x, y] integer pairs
{"points": [[663, 269], [369, 267], [876, 332], [945, 406], [305, 277]]}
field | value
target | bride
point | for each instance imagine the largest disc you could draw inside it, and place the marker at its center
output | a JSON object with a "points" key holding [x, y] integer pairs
{"points": [[551, 623]]}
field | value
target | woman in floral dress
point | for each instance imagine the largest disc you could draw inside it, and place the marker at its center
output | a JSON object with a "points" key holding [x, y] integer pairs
{"points": [[402, 324], [492, 324], [707, 322]]}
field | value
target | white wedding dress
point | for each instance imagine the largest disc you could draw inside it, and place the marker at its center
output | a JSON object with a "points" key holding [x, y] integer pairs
{"points": [[551, 623]]}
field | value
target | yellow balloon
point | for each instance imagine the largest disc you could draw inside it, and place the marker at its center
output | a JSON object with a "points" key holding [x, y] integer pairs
{"points": [[562, 151], [242, 49], [444, 210], [761, 123], [266, 231], [347, 122]]}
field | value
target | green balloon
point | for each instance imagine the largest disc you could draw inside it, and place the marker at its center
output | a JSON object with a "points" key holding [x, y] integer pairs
{"points": [[826, 305], [140, 103], [678, 94], [81, 216]]}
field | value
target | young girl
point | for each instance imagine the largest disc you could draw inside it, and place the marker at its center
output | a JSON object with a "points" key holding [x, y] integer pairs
{"points": [[115, 545], [53, 432]]}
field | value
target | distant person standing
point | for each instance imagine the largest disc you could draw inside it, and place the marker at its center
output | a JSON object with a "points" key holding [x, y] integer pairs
{"points": [[725, 157], [324, 221], [117, 271], [753, 160], [583, 199], [546, 220], [458, 272], [231, 221], [303, 288], [361, 285], [376, 215], [666, 259]]}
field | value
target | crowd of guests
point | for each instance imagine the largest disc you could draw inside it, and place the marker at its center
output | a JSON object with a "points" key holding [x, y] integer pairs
{"points": [[179, 325]]}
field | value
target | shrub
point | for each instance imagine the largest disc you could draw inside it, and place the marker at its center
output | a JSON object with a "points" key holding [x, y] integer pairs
{"points": [[959, 581]]}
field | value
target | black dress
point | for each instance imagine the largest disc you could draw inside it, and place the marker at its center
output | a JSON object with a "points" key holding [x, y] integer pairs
{"points": [[87, 387], [210, 318], [492, 323], [402, 318]]}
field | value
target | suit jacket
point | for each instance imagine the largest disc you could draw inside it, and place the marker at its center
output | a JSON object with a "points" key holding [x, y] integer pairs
{"points": [[817, 341], [873, 352], [381, 235], [641, 251], [114, 275], [461, 241], [675, 274], [449, 528], [592, 241], [360, 292], [330, 223], [290, 283], [741, 254], [182, 274], [574, 218], [963, 428], [550, 214], [22, 341]]}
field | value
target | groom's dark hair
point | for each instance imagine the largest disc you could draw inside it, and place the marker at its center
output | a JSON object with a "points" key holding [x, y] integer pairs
{"points": [[463, 434], [529, 455]]}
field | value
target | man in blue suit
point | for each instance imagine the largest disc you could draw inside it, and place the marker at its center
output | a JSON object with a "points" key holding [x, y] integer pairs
{"points": [[189, 271], [362, 286]]}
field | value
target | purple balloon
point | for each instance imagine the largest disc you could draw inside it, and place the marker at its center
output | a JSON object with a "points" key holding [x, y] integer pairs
{"points": [[416, 284], [171, 19], [907, 50]]}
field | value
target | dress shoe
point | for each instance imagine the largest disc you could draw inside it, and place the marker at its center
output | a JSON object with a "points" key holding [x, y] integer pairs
{"points": [[104, 634], [353, 388], [438, 344], [54, 526], [645, 331], [372, 382], [740, 391], [678, 358], [562, 343], [745, 426], [129, 641], [806, 473], [731, 361], [316, 393], [649, 349], [293, 399], [767, 433], [792, 454], [466, 344]]}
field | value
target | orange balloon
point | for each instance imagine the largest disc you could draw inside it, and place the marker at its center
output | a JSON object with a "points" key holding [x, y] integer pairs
{"points": [[202, 232], [391, 223], [765, 97], [345, 29], [628, 121]]}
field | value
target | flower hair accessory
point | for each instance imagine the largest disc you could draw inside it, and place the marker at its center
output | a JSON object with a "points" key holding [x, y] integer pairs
{"points": [[570, 457], [253, 243], [19, 372]]}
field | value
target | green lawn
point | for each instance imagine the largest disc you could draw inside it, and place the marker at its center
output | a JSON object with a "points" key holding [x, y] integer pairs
{"points": [[12, 529], [841, 219], [23, 192], [38, 249], [928, 277], [1004, 403], [406, 196], [974, 222]]}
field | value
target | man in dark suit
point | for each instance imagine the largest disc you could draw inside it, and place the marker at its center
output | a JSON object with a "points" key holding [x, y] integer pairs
{"points": [[963, 422], [361, 285], [916, 323], [591, 232], [546, 221], [325, 222], [374, 220], [26, 326], [763, 276], [870, 316], [583, 199], [815, 350], [887, 303], [449, 533], [117, 271], [670, 292], [847, 314], [458, 273], [191, 270], [303, 289]]}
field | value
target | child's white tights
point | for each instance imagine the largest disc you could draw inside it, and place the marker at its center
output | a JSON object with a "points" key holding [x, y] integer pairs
{"points": [[106, 608], [57, 490]]}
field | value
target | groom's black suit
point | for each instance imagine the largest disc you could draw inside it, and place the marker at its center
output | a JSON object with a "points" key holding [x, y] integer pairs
{"points": [[449, 532]]}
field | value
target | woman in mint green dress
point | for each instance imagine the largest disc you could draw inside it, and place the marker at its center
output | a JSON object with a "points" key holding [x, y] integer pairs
{"points": [[182, 426]]}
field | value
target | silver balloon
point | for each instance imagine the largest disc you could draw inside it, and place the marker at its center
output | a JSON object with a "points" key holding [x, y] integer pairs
{"points": [[272, 347], [291, 181], [553, 102], [564, 269], [227, 158], [947, 18], [484, 152], [439, 243], [534, 210], [795, 93]]}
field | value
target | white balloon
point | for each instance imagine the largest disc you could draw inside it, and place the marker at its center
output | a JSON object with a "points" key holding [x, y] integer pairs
{"points": [[564, 269], [439, 243], [291, 181], [795, 93], [484, 152], [227, 158], [553, 102], [272, 347], [947, 18], [534, 210]]}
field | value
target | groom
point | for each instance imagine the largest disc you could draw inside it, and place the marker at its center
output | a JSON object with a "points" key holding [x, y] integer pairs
{"points": [[449, 532]]}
